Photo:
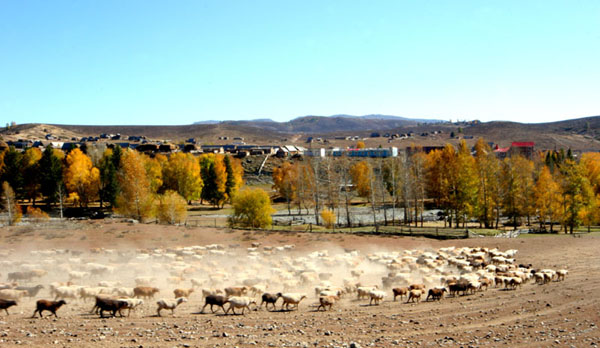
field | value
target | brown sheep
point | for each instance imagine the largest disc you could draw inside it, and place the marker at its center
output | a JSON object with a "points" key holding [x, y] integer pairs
{"points": [[45, 305], [435, 294], [183, 292], [269, 298], [327, 301], [5, 304], [414, 294], [144, 291], [417, 287], [215, 300], [400, 292], [104, 304], [236, 291], [485, 283]]}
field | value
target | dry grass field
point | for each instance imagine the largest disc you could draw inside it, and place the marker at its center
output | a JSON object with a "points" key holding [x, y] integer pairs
{"points": [[561, 314]]}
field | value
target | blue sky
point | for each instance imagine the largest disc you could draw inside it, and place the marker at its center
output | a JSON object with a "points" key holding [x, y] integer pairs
{"points": [[177, 62]]}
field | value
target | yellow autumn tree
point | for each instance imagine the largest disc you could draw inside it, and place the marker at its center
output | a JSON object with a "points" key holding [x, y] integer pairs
{"points": [[136, 199], [448, 182], [154, 170], [360, 145], [577, 195], [487, 167], [590, 162], [465, 194], [251, 208], [181, 174], [434, 176], [517, 188], [547, 198], [235, 172], [81, 177], [172, 208], [285, 180], [362, 174]]}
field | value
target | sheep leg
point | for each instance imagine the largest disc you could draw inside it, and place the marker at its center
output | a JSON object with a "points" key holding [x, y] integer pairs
{"points": [[158, 312], [54, 312], [172, 311]]}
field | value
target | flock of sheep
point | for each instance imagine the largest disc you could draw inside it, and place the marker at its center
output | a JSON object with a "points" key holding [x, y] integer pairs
{"points": [[232, 278]]}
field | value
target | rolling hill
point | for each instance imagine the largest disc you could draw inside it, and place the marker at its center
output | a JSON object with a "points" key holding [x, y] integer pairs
{"points": [[581, 134]]}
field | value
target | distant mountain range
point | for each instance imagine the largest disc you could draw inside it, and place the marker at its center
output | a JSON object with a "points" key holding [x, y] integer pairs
{"points": [[342, 122]]}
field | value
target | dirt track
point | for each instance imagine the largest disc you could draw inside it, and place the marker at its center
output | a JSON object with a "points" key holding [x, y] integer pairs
{"points": [[560, 314]]}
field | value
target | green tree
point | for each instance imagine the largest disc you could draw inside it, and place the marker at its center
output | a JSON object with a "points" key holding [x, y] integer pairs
{"points": [[30, 169], [109, 185], [11, 171], [234, 172], [51, 169]]}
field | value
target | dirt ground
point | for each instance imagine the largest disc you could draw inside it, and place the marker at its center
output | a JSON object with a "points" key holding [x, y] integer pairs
{"points": [[560, 314]]}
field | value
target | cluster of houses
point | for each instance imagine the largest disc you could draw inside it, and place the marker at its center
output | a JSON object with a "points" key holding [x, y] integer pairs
{"points": [[239, 149], [389, 136]]}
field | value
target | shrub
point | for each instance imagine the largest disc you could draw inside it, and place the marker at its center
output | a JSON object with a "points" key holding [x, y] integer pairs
{"points": [[251, 208], [328, 218], [172, 208], [36, 214]]}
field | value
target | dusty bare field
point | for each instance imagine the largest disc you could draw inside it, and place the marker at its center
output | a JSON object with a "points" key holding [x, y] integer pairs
{"points": [[561, 314]]}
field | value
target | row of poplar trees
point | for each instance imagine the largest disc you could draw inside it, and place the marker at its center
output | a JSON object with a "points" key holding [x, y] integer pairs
{"points": [[135, 184], [466, 184]]}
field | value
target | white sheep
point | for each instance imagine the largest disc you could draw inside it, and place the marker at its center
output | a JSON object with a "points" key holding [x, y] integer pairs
{"points": [[561, 274], [376, 295], [109, 284], [207, 292], [12, 294], [169, 304], [132, 303], [242, 302], [64, 292], [196, 283], [144, 281], [363, 291], [291, 298], [73, 275]]}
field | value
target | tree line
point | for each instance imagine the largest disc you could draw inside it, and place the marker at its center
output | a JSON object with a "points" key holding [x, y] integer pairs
{"points": [[552, 188], [134, 184]]}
